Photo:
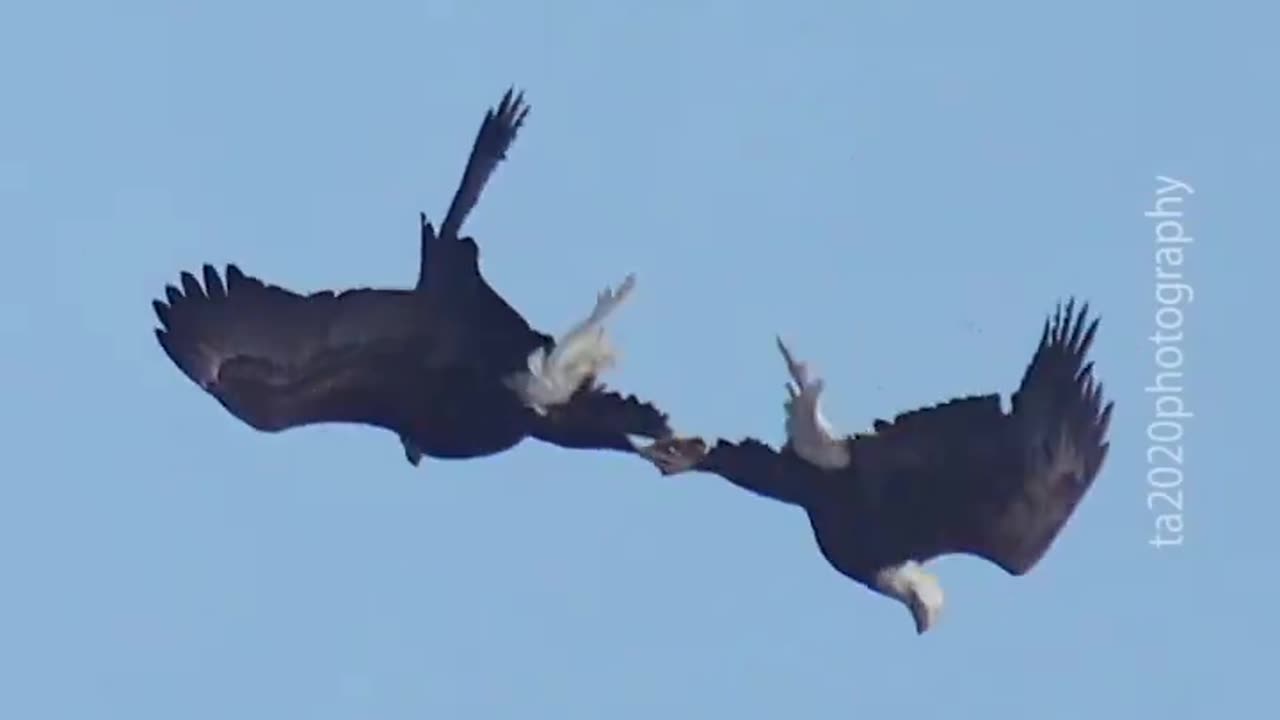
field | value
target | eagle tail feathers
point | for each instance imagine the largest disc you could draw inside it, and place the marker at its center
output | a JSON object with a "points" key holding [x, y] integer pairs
{"points": [[809, 432], [582, 353]]}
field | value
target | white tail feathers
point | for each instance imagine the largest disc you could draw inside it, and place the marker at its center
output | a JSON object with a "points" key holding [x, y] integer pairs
{"points": [[808, 431], [580, 354]]}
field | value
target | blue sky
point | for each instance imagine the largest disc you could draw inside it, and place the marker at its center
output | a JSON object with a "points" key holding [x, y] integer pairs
{"points": [[903, 190]]}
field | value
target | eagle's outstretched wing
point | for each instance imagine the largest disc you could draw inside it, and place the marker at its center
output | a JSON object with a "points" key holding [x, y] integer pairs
{"points": [[599, 419], [449, 266], [964, 477], [493, 139], [277, 359], [749, 464]]}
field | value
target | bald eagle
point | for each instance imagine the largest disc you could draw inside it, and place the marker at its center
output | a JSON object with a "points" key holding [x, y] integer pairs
{"points": [[962, 476], [449, 365]]}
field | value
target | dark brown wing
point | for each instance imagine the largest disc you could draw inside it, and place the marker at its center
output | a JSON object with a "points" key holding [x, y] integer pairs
{"points": [[492, 324], [598, 419], [963, 477], [449, 266], [749, 464], [277, 359], [496, 134]]}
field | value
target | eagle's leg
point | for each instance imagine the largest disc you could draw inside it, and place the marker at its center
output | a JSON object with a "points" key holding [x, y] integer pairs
{"points": [[809, 432], [581, 354], [674, 455], [918, 590]]}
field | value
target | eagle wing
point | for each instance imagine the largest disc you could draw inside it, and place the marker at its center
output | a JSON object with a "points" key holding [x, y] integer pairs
{"points": [[450, 265], [597, 418], [277, 359], [749, 464], [493, 139], [965, 477]]}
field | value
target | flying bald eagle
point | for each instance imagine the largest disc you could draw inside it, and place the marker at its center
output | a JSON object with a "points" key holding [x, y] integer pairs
{"points": [[448, 366], [959, 477]]}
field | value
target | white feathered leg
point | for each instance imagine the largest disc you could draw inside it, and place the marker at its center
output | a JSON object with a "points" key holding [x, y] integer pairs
{"points": [[581, 353], [808, 431]]}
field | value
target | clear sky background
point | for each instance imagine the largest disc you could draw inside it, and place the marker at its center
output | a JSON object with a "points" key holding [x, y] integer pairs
{"points": [[903, 189]]}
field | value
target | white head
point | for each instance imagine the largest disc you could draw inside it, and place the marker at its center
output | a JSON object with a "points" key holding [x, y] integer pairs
{"points": [[918, 590]]}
